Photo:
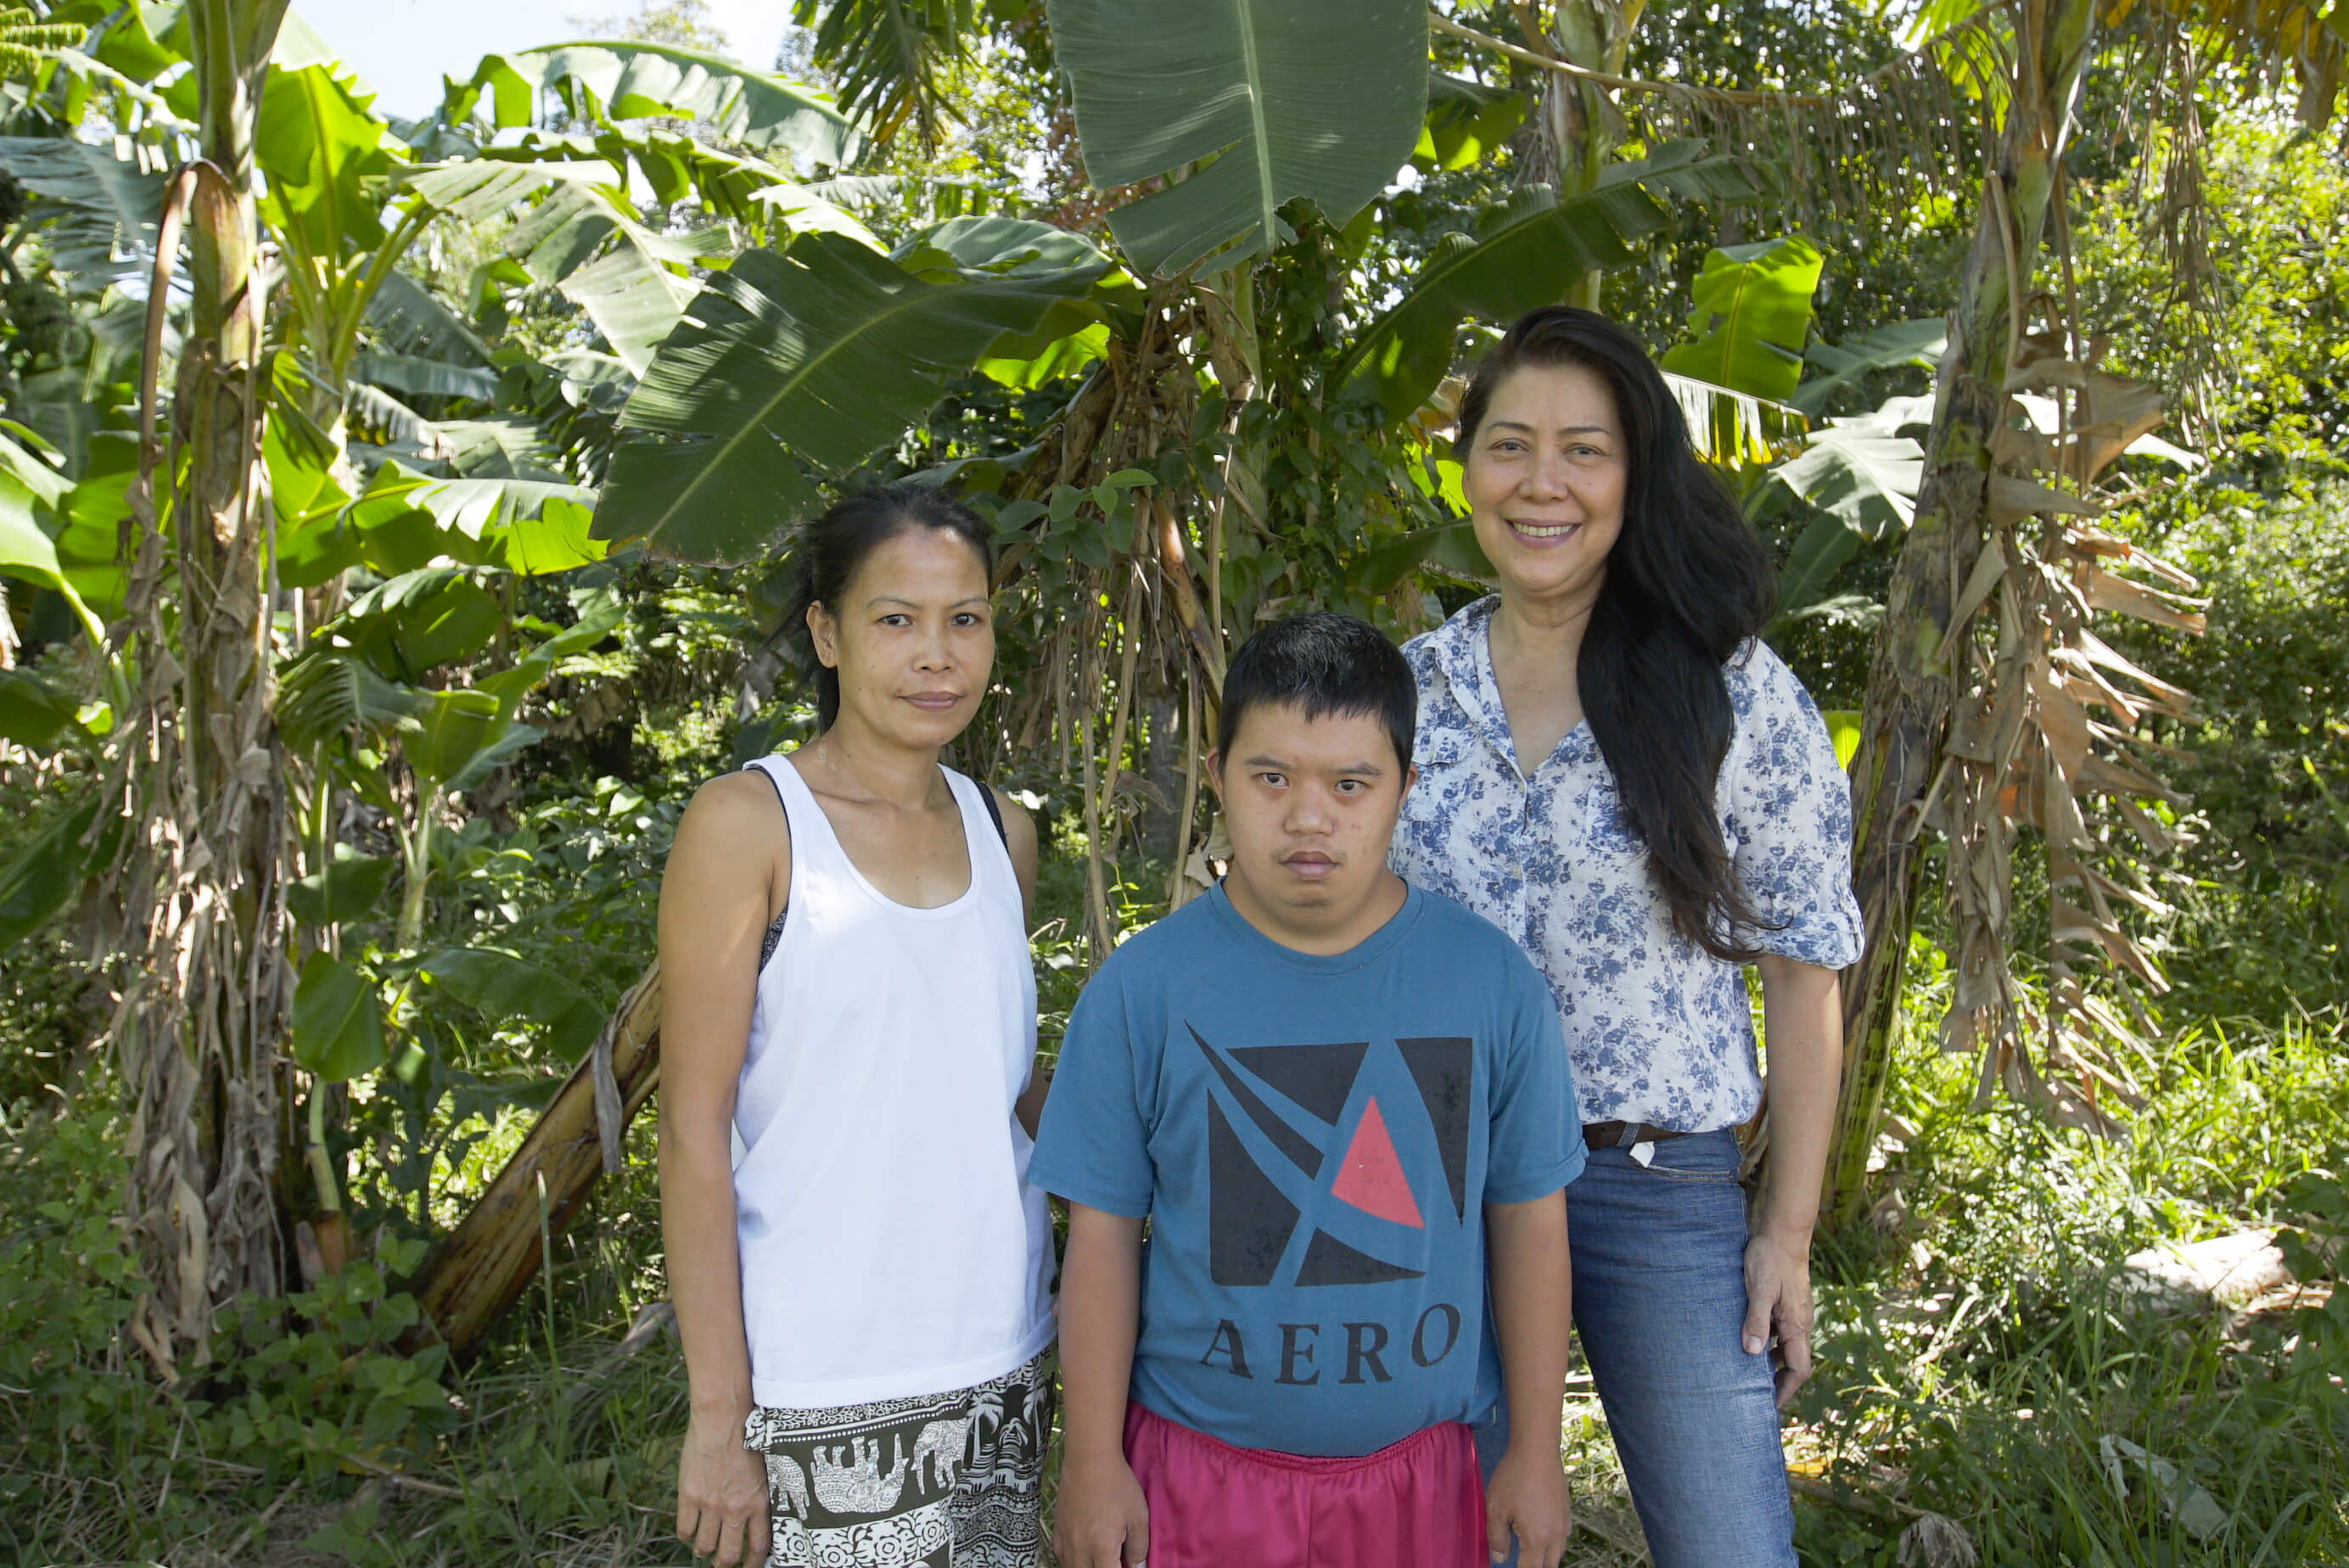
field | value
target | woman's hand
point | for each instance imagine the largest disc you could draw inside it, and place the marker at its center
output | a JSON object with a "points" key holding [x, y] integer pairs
{"points": [[722, 1495], [1528, 1499], [1778, 1303], [1100, 1519]]}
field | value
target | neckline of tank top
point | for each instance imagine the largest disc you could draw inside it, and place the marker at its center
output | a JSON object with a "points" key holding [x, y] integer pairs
{"points": [[955, 905]]}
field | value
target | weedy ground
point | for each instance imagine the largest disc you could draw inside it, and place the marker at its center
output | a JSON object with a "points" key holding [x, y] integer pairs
{"points": [[1980, 1361]]}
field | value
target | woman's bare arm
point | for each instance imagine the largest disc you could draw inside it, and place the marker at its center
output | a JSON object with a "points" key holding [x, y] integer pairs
{"points": [[1802, 1024], [714, 908]]}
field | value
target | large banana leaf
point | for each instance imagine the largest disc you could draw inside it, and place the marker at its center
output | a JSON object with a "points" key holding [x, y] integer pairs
{"points": [[819, 354], [1317, 98], [104, 208], [1879, 348], [323, 152], [349, 887], [1751, 317], [406, 317], [1534, 250], [1862, 470], [407, 519], [624, 80], [419, 621], [329, 690], [506, 985], [452, 729], [1861, 475], [337, 1020], [498, 450], [421, 377], [633, 293]]}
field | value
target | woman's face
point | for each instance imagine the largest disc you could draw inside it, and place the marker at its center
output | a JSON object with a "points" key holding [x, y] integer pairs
{"points": [[1545, 477], [913, 637]]}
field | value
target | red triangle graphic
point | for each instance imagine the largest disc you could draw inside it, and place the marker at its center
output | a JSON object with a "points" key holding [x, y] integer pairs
{"points": [[1372, 1178]]}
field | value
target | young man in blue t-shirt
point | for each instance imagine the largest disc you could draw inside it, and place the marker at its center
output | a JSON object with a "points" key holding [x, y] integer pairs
{"points": [[1331, 1095]]}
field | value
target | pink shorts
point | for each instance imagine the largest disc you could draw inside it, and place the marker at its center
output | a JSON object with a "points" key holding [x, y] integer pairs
{"points": [[1417, 1503]]}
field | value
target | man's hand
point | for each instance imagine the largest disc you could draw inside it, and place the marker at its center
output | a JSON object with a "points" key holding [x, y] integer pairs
{"points": [[1101, 1519], [1528, 1499], [722, 1496], [1778, 1303]]}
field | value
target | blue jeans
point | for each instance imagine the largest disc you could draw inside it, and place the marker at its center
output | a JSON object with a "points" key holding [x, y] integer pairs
{"points": [[1660, 1302]]}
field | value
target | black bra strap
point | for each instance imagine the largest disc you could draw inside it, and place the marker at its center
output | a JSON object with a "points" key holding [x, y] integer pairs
{"points": [[994, 813]]}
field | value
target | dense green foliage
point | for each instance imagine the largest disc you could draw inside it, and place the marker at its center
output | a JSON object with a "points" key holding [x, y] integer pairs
{"points": [[496, 718]]}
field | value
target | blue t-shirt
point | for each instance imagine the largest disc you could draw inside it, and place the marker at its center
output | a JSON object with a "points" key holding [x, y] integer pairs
{"points": [[1313, 1138]]}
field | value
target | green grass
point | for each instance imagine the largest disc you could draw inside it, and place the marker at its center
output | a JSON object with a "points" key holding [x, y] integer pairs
{"points": [[1979, 1353]]}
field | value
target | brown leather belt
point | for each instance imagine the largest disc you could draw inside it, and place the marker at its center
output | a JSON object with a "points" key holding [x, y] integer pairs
{"points": [[1623, 1134]]}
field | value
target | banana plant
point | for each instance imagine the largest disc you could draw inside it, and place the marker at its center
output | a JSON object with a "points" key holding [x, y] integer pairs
{"points": [[357, 688], [1748, 323], [1259, 105], [818, 356]]}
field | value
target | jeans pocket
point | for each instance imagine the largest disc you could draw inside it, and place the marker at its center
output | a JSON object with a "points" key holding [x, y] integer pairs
{"points": [[1712, 1158], [1718, 1178]]}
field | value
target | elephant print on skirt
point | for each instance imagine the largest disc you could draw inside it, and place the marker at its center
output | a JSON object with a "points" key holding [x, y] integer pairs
{"points": [[944, 1480]]}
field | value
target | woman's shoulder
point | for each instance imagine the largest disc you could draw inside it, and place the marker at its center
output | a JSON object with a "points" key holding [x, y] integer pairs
{"points": [[736, 814], [740, 798], [1764, 687], [1433, 656]]}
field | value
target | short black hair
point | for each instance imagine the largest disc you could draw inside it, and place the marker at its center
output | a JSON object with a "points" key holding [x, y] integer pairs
{"points": [[1325, 664]]}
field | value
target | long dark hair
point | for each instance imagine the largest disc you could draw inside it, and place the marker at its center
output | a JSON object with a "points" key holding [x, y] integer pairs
{"points": [[1688, 582], [829, 550]]}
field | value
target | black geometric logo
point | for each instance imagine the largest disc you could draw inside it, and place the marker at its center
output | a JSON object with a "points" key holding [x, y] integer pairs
{"points": [[1251, 1219]]}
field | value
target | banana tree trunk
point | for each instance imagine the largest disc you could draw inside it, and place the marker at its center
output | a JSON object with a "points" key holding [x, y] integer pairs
{"points": [[482, 1266], [1905, 718], [203, 1021]]}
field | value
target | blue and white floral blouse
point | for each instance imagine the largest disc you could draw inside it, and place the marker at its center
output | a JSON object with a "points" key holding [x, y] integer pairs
{"points": [[1659, 1029]]}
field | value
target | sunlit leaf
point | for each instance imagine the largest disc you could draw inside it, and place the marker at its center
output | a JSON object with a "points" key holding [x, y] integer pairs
{"points": [[1466, 123], [1751, 318], [630, 81]]}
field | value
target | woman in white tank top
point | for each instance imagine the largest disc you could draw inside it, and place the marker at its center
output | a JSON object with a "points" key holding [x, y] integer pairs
{"points": [[860, 1272]]}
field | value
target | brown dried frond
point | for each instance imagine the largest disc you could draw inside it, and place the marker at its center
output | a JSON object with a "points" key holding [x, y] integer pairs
{"points": [[2028, 749]]}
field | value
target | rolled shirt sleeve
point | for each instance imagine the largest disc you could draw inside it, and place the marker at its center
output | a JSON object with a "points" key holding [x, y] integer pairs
{"points": [[1788, 819]]}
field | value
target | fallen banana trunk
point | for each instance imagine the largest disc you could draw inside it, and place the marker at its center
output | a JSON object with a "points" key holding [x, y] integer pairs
{"points": [[482, 1266]]}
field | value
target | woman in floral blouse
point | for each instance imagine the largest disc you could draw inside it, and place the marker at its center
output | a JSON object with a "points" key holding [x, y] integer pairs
{"points": [[1617, 771]]}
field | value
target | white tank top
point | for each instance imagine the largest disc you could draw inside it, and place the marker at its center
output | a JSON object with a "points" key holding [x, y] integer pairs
{"points": [[891, 1244]]}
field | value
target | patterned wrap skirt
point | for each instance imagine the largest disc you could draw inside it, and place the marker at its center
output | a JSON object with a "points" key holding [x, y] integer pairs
{"points": [[933, 1480]]}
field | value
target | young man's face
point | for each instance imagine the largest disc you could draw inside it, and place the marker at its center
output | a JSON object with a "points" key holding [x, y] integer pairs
{"points": [[1310, 805]]}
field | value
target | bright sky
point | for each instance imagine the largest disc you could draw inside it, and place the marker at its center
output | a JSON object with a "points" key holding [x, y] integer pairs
{"points": [[402, 47]]}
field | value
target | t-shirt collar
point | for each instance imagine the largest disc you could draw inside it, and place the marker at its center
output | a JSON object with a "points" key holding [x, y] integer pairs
{"points": [[1363, 954]]}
